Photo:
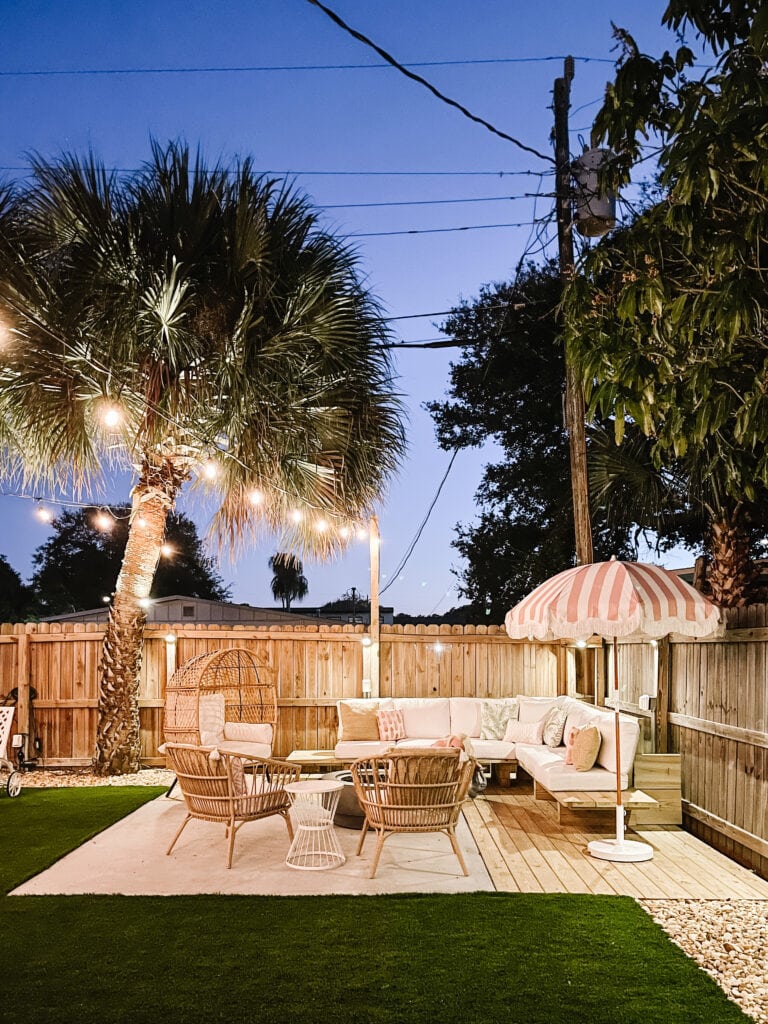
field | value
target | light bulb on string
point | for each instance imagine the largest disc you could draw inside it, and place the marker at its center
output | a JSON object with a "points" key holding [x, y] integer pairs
{"points": [[321, 525], [256, 497], [361, 533], [345, 533], [141, 522], [104, 522], [297, 515], [166, 550], [44, 514], [210, 469], [111, 416]]}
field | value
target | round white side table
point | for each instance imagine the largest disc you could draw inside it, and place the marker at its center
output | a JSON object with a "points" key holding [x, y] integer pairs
{"points": [[313, 805]]}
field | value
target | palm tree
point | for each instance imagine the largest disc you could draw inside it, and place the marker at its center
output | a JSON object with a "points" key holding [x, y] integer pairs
{"points": [[685, 501], [288, 582], [232, 343]]}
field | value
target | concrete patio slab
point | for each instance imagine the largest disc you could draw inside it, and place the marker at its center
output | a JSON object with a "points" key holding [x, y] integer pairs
{"points": [[129, 859]]}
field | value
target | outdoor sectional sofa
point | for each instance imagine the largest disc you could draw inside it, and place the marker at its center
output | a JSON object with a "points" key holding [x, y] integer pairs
{"points": [[427, 720]]}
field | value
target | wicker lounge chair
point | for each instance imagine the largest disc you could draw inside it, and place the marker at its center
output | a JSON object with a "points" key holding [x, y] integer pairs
{"points": [[230, 790], [412, 792]]}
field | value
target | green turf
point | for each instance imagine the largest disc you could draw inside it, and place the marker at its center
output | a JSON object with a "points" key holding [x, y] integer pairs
{"points": [[462, 959]]}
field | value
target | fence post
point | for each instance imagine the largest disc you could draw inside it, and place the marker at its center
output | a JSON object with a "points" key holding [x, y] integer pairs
{"points": [[663, 696], [23, 706]]}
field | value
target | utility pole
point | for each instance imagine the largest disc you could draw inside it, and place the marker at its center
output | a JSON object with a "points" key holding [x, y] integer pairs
{"points": [[575, 414]]}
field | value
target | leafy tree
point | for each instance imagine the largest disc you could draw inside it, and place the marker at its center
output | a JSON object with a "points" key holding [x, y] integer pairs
{"points": [[232, 333], [668, 316], [17, 601], [79, 564], [288, 581], [508, 387]]}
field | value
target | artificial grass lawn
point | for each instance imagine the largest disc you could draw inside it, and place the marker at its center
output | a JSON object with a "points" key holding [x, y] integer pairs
{"points": [[471, 959]]}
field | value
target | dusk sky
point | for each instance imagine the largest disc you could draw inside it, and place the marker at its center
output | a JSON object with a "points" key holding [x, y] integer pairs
{"points": [[378, 137]]}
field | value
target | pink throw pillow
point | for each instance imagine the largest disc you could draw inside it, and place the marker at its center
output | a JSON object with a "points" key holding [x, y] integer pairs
{"points": [[524, 732], [569, 740], [391, 725]]}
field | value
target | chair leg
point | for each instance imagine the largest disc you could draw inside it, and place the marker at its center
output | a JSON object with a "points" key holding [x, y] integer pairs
{"points": [[232, 834], [379, 846], [363, 831], [287, 819], [181, 829], [457, 851]]}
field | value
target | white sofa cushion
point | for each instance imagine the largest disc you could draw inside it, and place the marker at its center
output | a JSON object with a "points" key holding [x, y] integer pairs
{"points": [[533, 709], [560, 776], [465, 715], [492, 750], [533, 757], [629, 731], [494, 715], [425, 717]]}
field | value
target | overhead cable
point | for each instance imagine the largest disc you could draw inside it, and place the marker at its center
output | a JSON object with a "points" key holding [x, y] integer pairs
{"points": [[423, 81]]}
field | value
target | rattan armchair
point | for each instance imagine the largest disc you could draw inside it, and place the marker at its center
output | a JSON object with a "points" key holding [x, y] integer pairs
{"points": [[230, 790], [410, 791]]}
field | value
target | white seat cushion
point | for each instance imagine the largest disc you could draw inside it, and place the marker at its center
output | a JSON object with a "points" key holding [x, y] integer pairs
{"points": [[493, 750], [562, 776]]}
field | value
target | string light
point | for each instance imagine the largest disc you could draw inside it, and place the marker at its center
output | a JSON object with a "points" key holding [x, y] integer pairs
{"points": [[345, 533], [321, 525], [211, 469], [111, 416], [44, 514], [297, 515], [106, 599], [141, 522], [361, 533], [103, 521], [166, 550], [145, 602], [256, 497]]}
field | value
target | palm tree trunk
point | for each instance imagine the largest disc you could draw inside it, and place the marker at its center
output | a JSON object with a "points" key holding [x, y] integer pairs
{"points": [[731, 569], [118, 742]]}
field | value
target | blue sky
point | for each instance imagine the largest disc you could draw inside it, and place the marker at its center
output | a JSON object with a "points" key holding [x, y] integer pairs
{"points": [[302, 121]]}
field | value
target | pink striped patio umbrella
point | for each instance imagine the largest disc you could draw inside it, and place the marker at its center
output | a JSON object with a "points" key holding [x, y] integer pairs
{"points": [[614, 599]]}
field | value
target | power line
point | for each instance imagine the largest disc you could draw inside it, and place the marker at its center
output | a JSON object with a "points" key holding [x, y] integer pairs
{"points": [[404, 560], [437, 231], [426, 202], [251, 68], [423, 81], [340, 174]]}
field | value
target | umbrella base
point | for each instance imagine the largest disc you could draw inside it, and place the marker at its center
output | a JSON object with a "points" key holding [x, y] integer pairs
{"points": [[620, 850]]}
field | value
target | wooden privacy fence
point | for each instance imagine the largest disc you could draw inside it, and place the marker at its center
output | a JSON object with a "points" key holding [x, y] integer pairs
{"points": [[312, 667], [709, 699]]}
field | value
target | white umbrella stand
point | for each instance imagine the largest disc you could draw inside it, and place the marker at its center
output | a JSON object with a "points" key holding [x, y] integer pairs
{"points": [[619, 849]]}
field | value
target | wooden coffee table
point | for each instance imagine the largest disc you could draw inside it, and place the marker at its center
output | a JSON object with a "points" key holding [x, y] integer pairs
{"points": [[312, 759]]}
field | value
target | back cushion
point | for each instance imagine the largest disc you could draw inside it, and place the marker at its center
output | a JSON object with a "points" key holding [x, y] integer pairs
{"points": [[465, 715], [629, 729], [579, 715], [425, 718], [533, 709], [252, 732], [210, 718]]}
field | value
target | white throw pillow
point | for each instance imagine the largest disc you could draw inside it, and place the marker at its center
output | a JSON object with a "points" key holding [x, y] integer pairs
{"points": [[523, 732], [210, 719], [494, 715]]}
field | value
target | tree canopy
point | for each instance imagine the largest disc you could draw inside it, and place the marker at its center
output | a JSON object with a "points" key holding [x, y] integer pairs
{"points": [[79, 563], [667, 316], [17, 600], [508, 387]]}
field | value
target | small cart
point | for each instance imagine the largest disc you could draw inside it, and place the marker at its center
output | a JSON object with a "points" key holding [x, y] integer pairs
{"points": [[13, 782]]}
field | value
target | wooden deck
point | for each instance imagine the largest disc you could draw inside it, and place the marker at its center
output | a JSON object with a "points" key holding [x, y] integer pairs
{"points": [[526, 850]]}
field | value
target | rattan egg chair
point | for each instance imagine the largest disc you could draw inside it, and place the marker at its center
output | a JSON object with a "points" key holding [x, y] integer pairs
{"points": [[222, 699]]}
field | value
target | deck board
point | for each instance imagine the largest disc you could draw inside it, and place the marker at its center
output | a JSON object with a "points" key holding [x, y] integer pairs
{"points": [[526, 849]]}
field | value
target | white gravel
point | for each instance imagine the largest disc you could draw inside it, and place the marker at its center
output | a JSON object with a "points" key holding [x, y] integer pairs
{"points": [[728, 939], [51, 777]]}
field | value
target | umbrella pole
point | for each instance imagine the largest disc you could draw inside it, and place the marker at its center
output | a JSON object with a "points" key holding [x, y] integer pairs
{"points": [[619, 849]]}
